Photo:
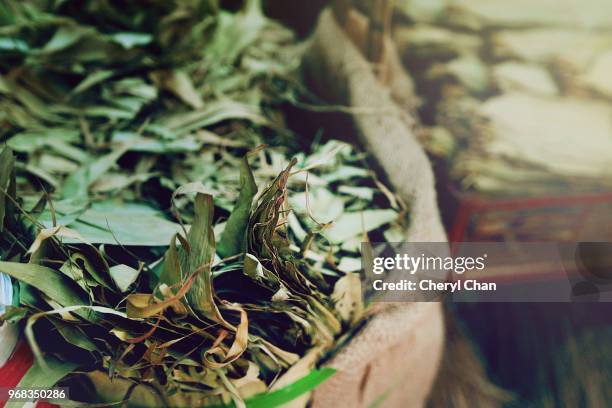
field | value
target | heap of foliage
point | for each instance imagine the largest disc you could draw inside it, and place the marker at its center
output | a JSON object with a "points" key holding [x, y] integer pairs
{"points": [[127, 274]]}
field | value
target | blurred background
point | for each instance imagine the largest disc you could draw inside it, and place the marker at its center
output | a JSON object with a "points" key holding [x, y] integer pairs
{"points": [[514, 107]]}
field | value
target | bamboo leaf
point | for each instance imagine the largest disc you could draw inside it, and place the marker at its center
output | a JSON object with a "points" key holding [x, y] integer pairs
{"points": [[112, 223], [131, 40], [7, 162], [9, 337], [233, 239], [290, 392], [51, 282], [74, 335], [123, 276], [199, 257], [353, 224], [171, 273], [238, 347], [78, 183]]}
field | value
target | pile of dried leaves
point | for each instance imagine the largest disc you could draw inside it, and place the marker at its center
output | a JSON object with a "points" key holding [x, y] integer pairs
{"points": [[517, 94], [151, 242]]}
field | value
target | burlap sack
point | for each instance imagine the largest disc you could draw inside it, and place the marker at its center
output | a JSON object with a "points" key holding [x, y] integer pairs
{"points": [[394, 359]]}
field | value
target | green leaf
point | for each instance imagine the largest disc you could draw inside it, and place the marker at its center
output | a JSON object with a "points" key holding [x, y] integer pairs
{"points": [[123, 276], [111, 223], [353, 224], [349, 264], [65, 37], [131, 40], [180, 84], [7, 161], [171, 270], [199, 257], [16, 293], [345, 172], [51, 282], [235, 32], [212, 113], [39, 377], [365, 193], [187, 143], [77, 185], [13, 44], [92, 79], [324, 205], [73, 335], [233, 239], [30, 141], [289, 393]]}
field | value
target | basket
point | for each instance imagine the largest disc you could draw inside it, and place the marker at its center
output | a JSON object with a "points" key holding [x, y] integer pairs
{"points": [[394, 360], [375, 367]]}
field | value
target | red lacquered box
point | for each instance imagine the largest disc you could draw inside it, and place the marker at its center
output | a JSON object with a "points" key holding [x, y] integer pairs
{"points": [[568, 217], [471, 216]]}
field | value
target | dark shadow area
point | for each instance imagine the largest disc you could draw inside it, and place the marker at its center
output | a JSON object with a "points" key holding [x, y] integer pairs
{"points": [[549, 354]]}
